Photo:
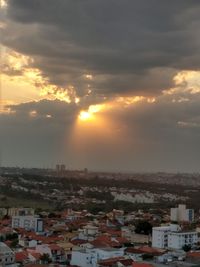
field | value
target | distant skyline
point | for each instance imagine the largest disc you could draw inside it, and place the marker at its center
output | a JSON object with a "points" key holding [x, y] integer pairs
{"points": [[108, 85]]}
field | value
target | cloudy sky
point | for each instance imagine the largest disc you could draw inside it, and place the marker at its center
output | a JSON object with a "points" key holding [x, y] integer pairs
{"points": [[103, 84]]}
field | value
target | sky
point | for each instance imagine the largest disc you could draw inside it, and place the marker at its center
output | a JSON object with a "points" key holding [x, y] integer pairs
{"points": [[110, 85]]}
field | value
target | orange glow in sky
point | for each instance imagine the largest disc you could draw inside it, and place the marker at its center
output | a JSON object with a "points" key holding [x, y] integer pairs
{"points": [[87, 115]]}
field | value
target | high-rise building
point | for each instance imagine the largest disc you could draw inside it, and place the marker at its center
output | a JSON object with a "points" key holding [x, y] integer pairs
{"points": [[20, 211], [57, 167], [62, 167], [181, 214]]}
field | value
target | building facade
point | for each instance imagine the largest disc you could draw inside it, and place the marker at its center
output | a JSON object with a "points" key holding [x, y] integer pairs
{"points": [[181, 214], [30, 223], [172, 237], [7, 256], [91, 257]]}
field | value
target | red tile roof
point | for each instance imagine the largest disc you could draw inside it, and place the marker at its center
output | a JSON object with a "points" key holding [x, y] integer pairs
{"points": [[194, 254], [55, 247], [78, 242], [105, 241], [21, 256], [140, 264], [111, 261]]}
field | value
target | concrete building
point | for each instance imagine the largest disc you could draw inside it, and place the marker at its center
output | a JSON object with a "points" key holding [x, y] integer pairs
{"points": [[172, 237], [55, 252], [3, 212], [177, 240], [20, 212], [181, 214], [160, 236], [32, 223], [90, 257], [7, 256]]}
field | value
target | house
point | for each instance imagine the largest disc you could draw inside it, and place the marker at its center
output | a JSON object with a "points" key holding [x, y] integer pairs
{"points": [[193, 256], [22, 257], [141, 264], [55, 252], [7, 256], [90, 257], [118, 261]]}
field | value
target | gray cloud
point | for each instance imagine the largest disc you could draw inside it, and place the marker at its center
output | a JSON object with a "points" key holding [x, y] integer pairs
{"points": [[123, 41], [145, 136], [131, 47]]}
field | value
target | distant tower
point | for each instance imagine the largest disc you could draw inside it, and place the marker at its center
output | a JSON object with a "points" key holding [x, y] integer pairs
{"points": [[86, 172], [62, 167], [57, 168]]}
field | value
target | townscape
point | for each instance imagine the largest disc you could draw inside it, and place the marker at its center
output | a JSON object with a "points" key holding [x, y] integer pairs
{"points": [[147, 232], [100, 133]]}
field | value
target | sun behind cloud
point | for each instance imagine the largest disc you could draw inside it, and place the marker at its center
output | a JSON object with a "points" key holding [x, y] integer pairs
{"points": [[89, 114], [85, 115]]}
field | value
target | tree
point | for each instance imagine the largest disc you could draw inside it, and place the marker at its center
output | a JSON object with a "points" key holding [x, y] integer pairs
{"points": [[186, 248], [143, 227], [14, 243], [45, 258]]}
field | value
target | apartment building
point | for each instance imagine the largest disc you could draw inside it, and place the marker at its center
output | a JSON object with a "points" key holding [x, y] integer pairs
{"points": [[181, 214], [172, 237], [30, 223]]}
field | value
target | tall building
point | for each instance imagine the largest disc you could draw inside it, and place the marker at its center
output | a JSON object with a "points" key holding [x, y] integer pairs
{"points": [[57, 167], [29, 223], [181, 214], [62, 167], [20, 211]]}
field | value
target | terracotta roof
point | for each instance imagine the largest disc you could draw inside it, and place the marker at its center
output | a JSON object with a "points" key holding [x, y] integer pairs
{"points": [[122, 240], [36, 265], [78, 242], [111, 261], [55, 247], [133, 250], [150, 250], [193, 254], [145, 250], [104, 241], [36, 255], [21, 256], [140, 264]]}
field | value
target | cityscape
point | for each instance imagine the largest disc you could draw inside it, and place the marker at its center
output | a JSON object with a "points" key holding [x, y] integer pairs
{"points": [[100, 133]]}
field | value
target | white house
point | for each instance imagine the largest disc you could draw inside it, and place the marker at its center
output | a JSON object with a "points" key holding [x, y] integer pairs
{"points": [[55, 252], [90, 257], [7, 256]]}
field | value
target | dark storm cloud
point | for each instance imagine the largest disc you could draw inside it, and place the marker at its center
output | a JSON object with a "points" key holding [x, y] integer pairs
{"points": [[131, 47], [146, 141], [34, 140], [123, 40]]}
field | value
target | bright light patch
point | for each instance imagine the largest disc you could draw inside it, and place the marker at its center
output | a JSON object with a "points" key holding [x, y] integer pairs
{"points": [[3, 3], [89, 76], [33, 113], [84, 115], [89, 114]]}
